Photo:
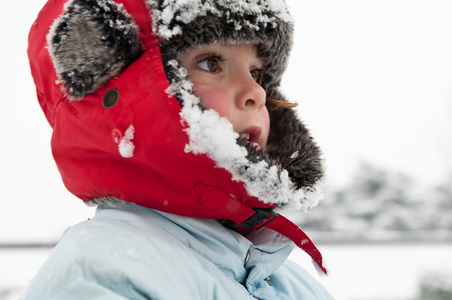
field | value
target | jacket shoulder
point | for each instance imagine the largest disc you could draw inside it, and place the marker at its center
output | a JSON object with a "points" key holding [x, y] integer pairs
{"points": [[128, 258]]}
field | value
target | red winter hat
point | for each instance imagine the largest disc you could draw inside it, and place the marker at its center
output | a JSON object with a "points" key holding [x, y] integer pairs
{"points": [[127, 126]]}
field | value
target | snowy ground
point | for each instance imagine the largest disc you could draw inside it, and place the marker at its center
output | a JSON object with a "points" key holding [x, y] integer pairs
{"points": [[17, 269], [379, 272], [357, 272]]}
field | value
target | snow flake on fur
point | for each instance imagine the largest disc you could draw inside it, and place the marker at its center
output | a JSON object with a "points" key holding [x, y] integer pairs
{"points": [[91, 42], [173, 12], [182, 25]]}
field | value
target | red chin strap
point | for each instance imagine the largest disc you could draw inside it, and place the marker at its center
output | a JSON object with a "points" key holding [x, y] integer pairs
{"points": [[247, 217], [280, 224], [293, 232]]}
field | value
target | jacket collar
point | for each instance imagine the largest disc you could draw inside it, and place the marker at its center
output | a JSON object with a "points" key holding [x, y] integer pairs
{"points": [[248, 260]]}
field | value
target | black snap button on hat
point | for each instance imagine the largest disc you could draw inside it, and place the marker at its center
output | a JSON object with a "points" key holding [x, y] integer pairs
{"points": [[110, 98]]}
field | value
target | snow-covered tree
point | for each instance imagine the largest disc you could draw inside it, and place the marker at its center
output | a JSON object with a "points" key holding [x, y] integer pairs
{"points": [[379, 200]]}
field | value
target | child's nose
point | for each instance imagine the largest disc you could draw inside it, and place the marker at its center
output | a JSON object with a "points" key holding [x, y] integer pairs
{"points": [[251, 94]]}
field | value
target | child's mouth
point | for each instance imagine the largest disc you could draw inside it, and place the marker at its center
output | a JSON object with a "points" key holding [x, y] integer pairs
{"points": [[250, 139]]}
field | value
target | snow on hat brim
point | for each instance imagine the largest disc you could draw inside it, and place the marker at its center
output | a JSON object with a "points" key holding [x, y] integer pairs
{"points": [[187, 24]]}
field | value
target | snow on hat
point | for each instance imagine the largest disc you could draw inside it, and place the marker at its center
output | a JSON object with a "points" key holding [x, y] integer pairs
{"points": [[180, 25], [187, 24], [117, 72], [91, 42]]}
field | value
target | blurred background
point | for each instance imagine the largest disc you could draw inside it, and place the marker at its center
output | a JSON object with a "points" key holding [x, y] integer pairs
{"points": [[373, 80]]}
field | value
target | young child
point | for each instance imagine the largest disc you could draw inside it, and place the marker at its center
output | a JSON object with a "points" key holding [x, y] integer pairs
{"points": [[168, 116]]}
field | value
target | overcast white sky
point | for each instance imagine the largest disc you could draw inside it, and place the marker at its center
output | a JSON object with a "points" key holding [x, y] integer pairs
{"points": [[373, 79]]}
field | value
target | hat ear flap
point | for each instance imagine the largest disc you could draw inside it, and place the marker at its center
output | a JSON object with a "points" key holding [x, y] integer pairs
{"points": [[91, 42], [300, 156]]}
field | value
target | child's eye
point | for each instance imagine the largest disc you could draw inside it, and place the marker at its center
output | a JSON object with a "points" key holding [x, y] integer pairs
{"points": [[257, 75], [210, 64]]}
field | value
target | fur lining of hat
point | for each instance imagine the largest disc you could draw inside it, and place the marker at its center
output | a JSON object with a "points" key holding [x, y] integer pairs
{"points": [[91, 42], [300, 155]]}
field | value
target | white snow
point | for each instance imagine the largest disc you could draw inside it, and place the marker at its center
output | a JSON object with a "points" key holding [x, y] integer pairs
{"points": [[186, 11], [376, 272], [126, 146], [313, 196]]}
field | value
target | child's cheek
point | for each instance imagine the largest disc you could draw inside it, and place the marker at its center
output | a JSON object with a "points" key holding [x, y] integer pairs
{"points": [[216, 100], [265, 119]]}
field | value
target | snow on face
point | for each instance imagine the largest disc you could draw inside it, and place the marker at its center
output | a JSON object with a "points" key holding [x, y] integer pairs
{"points": [[225, 77]]}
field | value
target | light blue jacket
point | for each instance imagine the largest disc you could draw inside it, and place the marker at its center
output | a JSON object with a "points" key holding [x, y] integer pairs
{"points": [[130, 252]]}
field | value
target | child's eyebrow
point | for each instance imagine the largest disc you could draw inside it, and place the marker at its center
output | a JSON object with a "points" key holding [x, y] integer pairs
{"points": [[205, 53]]}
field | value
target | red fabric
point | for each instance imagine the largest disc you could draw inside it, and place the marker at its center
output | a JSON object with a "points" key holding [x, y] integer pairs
{"points": [[293, 232], [160, 175]]}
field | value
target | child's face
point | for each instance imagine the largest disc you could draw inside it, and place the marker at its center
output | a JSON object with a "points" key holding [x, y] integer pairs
{"points": [[225, 77]]}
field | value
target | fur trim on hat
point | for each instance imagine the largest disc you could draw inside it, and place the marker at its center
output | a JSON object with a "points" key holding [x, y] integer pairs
{"points": [[91, 42], [186, 24], [300, 155]]}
